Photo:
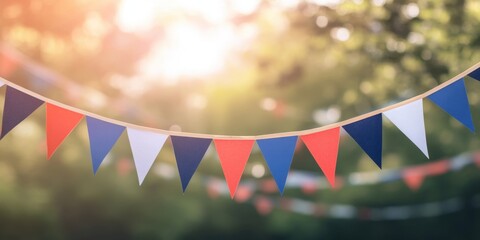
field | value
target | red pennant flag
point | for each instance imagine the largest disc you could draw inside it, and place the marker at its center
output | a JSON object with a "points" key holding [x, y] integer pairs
{"points": [[413, 178], [60, 123], [436, 168], [324, 148], [233, 156]]}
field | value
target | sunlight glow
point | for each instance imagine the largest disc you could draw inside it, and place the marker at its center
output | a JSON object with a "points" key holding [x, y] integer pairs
{"points": [[198, 35], [214, 11], [245, 6], [136, 15], [188, 51], [326, 2]]}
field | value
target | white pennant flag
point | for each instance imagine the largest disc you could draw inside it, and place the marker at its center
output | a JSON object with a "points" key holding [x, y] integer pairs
{"points": [[409, 119], [145, 148]]}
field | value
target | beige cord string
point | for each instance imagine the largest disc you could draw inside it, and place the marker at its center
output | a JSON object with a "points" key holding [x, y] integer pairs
{"points": [[274, 135]]}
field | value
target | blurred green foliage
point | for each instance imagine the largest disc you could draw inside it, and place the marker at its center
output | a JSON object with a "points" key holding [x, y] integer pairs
{"points": [[298, 61]]}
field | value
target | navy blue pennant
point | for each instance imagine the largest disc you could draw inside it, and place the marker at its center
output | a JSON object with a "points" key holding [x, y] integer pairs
{"points": [[368, 135], [18, 106], [475, 74], [189, 153]]}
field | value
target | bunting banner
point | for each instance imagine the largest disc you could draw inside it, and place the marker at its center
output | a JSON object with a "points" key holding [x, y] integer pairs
{"points": [[278, 153], [18, 106], [310, 182], [233, 155], [413, 178], [248, 192], [103, 135], [189, 153], [324, 148], [475, 74], [368, 134], [145, 148], [409, 119], [234, 151], [265, 205], [60, 123], [453, 100]]}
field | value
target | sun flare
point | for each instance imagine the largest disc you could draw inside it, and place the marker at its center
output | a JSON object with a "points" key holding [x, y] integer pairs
{"points": [[189, 49]]}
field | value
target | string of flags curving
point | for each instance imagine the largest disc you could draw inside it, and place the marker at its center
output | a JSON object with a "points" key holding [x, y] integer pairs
{"points": [[258, 193], [259, 196], [309, 182], [234, 151], [249, 193], [265, 204]]}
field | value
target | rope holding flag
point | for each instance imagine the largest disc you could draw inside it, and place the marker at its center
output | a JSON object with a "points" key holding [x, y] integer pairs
{"points": [[234, 151]]}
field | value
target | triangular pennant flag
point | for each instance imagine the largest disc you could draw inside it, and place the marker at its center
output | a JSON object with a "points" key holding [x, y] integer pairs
{"points": [[409, 119], [368, 135], [60, 123], [324, 148], [475, 74], [278, 153], [453, 100], [18, 106], [189, 153], [413, 178], [436, 168], [233, 155], [103, 135], [145, 148]]}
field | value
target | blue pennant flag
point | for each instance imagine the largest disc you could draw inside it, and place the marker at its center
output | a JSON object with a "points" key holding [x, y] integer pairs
{"points": [[453, 100], [189, 153], [278, 153], [475, 74], [103, 135], [368, 135], [18, 106]]}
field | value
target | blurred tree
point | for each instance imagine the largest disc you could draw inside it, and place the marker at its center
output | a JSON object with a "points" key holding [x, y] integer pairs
{"points": [[310, 64]]}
